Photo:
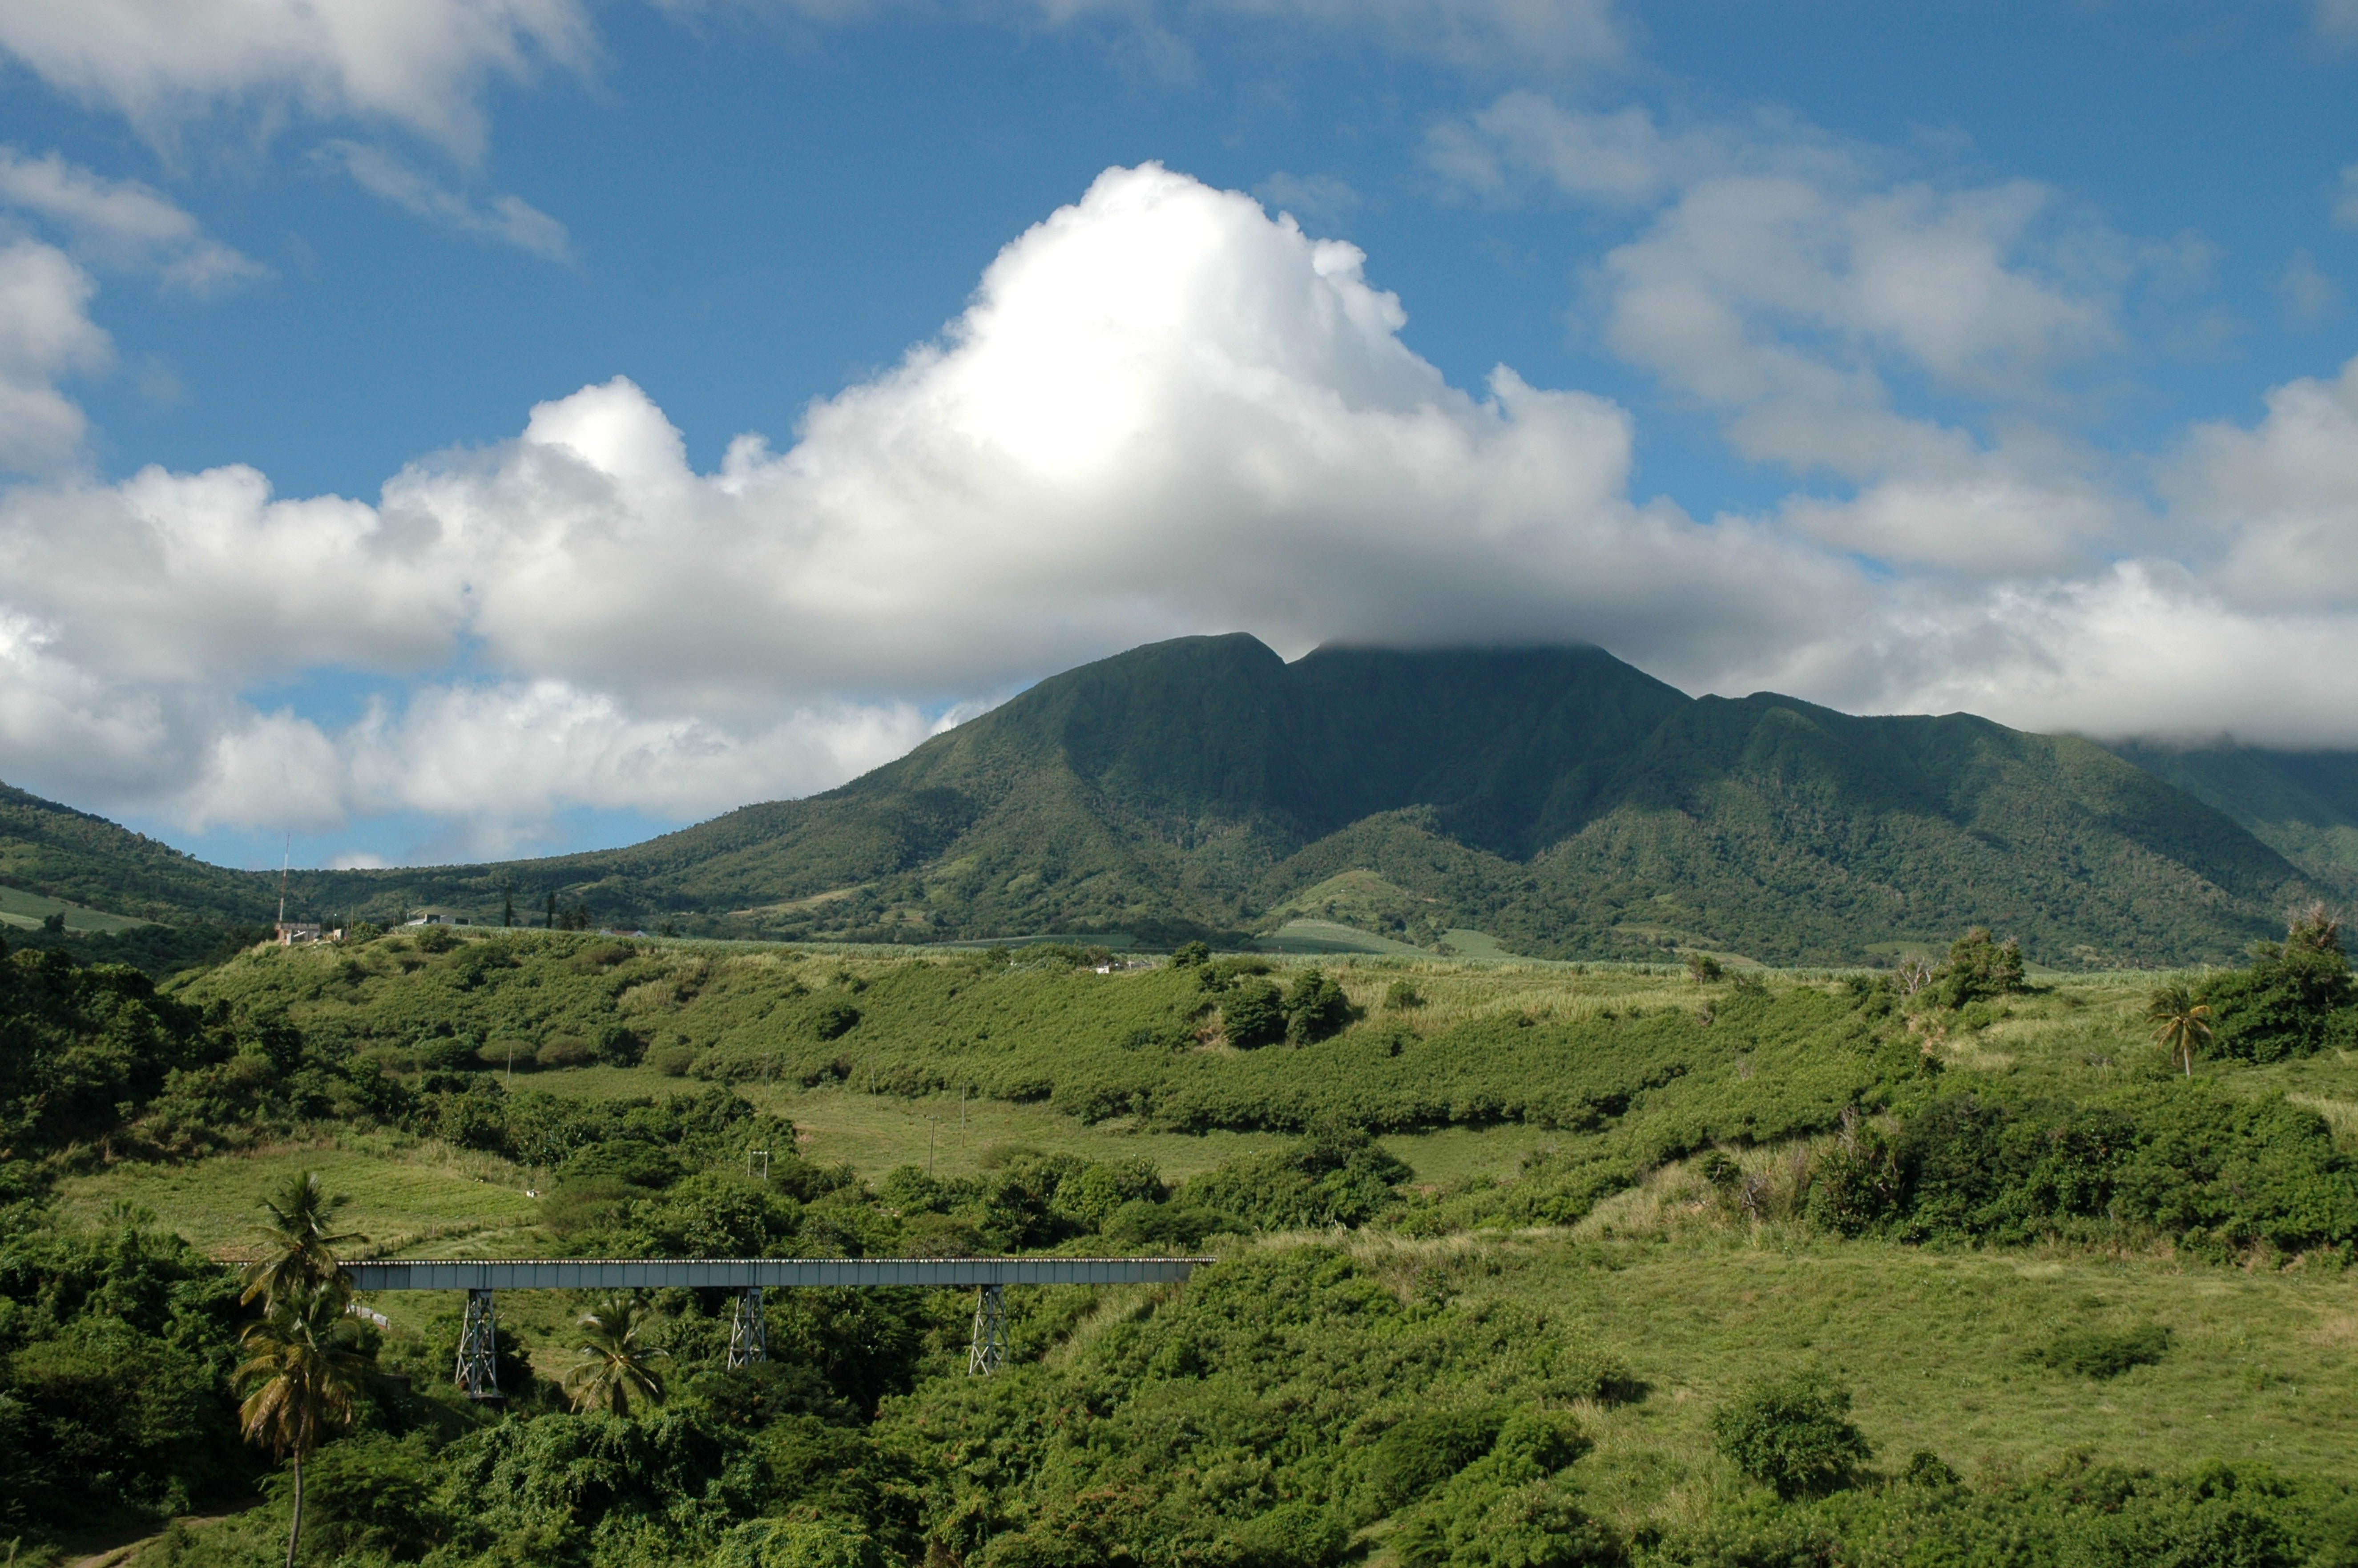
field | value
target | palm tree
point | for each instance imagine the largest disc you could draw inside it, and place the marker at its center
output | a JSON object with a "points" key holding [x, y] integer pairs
{"points": [[302, 1245], [615, 1366], [306, 1366], [2180, 1023]]}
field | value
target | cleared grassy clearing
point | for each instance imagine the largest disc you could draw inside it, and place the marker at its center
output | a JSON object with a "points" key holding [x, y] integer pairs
{"points": [[25, 910], [409, 1198], [2262, 1368]]}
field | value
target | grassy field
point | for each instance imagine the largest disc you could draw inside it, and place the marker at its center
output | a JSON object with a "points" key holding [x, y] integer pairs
{"points": [[25, 910], [409, 1198], [2261, 1368]]}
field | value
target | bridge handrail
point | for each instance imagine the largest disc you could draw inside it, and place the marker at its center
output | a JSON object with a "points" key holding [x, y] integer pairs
{"points": [[743, 1273]]}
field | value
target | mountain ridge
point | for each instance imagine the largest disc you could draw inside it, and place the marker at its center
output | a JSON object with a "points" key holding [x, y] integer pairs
{"points": [[1557, 798]]}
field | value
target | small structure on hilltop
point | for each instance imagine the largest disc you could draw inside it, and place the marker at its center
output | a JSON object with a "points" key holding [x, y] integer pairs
{"points": [[436, 917]]}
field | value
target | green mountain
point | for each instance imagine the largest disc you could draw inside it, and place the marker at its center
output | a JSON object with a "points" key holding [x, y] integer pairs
{"points": [[1556, 799], [2302, 804]]}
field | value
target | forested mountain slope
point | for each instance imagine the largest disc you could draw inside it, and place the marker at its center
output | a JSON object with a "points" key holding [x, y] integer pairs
{"points": [[1556, 798], [2303, 804]]}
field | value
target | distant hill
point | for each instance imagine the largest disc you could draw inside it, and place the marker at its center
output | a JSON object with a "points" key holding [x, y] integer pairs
{"points": [[1556, 799], [2302, 804]]}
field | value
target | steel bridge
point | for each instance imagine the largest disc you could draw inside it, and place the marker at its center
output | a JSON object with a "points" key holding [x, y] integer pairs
{"points": [[748, 1277]]}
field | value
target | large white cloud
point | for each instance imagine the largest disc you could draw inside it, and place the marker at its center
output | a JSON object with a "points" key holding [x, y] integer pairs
{"points": [[1164, 412]]}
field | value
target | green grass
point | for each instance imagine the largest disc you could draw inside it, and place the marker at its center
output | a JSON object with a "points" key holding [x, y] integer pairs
{"points": [[1314, 937], [410, 1198], [2261, 1368], [25, 910]]}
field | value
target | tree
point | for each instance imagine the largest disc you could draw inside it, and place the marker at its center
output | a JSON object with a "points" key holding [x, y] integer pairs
{"points": [[307, 1366], [507, 908], [1978, 968], [615, 1365], [2180, 1024], [1703, 967], [301, 1256]]}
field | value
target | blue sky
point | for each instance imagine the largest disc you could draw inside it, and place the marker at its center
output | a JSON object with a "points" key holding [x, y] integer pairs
{"points": [[373, 373]]}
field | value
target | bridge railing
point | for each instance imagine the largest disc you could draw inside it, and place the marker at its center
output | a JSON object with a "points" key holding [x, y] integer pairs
{"points": [[752, 1273]]}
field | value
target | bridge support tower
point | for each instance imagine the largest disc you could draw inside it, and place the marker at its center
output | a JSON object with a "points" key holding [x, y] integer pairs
{"points": [[748, 1334], [479, 1372], [989, 1351]]}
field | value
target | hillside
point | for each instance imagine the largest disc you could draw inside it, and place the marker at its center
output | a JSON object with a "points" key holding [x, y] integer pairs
{"points": [[1554, 800], [1558, 799], [2302, 804]]}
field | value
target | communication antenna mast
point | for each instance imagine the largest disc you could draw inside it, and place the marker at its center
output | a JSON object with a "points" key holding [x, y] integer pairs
{"points": [[285, 862]]}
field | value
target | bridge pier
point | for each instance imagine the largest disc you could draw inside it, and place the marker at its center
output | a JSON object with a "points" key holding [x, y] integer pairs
{"points": [[749, 1333], [479, 1372], [988, 1350]]}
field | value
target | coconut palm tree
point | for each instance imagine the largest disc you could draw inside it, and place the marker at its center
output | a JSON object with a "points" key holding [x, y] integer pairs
{"points": [[306, 1366], [2180, 1023], [301, 1256], [615, 1366]]}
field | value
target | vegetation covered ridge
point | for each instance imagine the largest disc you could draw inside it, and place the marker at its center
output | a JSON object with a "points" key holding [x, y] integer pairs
{"points": [[1555, 799]]}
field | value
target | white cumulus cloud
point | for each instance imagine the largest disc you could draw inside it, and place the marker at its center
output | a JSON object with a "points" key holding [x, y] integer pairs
{"points": [[1164, 412]]}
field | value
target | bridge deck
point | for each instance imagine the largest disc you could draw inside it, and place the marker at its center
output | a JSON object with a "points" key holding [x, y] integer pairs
{"points": [[743, 1273]]}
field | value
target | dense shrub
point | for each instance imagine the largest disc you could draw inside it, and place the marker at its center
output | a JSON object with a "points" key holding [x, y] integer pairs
{"points": [[1793, 1434], [1978, 968], [114, 1353], [2184, 1160], [2104, 1353], [2294, 1000], [1252, 1013]]}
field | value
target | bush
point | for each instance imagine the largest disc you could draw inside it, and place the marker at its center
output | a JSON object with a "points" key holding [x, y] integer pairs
{"points": [[566, 1051], [2104, 1353], [1402, 997], [1703, 967], [1977, 970], [1315, 1007], [798, 1543], [1252, 1014], [1793, 1434], [2295, 1000], [674, 1060], [620, 1047], [834, 1019], [1424, 1451]]}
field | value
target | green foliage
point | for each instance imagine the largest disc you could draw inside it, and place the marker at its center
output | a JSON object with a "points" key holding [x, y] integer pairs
{"points": [[2184, 1161], [1705, 967], [1334, 1175], [1793, 1434], [2104, 1353], [2295, 998], [1978, 968], [798, 1543], [1252, 1013], [115, 1354]]}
